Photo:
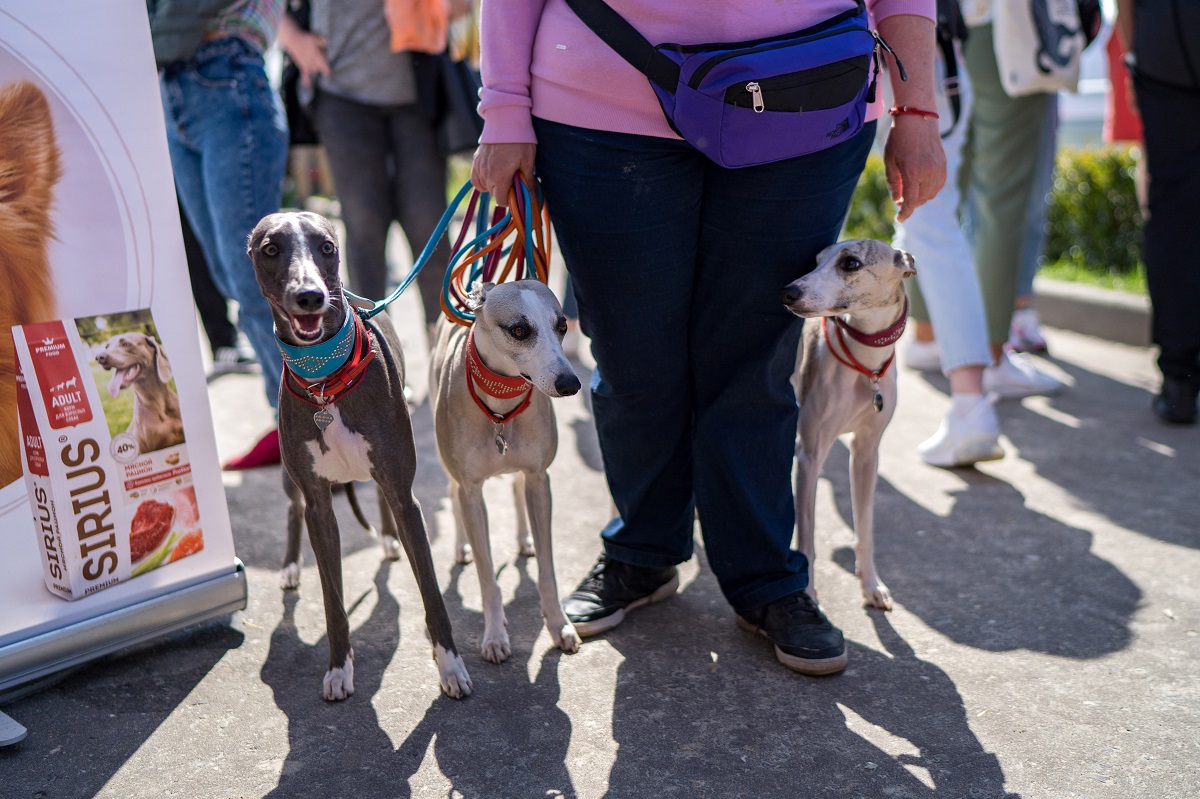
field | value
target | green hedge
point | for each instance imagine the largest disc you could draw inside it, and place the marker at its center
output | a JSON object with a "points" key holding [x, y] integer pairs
{"points": [[1093, 222]]}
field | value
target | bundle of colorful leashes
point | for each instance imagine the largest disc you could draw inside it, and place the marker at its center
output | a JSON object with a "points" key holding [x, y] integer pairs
{"points": [[514, 245]]}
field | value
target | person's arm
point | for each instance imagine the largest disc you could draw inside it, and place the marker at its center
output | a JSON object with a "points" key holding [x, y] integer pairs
{"points": [[913, 156], [506, 32], [307, 50], [1125, 23]]}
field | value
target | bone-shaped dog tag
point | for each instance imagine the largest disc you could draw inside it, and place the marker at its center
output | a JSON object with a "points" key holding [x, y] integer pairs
{"points": [[501, 441], [323, 418]]}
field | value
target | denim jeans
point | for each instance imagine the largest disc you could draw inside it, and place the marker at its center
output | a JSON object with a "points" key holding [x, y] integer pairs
{"points": [[677, 265], [228, 143]]}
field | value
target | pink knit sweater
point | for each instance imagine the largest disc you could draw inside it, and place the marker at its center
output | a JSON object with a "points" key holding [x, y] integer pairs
{"points": [[540, 60]]}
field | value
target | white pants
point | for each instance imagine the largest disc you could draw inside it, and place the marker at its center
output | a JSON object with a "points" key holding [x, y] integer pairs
{"points": [[945, 267]]}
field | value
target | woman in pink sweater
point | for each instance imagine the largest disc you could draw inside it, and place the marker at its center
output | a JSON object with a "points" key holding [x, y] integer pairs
{"points": [[677, 264]]}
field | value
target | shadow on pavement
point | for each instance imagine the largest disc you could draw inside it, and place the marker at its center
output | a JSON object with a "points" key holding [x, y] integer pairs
{"points": [[704, 710], [122, 700], [508, 733], [1109, 451], [993, 574]]}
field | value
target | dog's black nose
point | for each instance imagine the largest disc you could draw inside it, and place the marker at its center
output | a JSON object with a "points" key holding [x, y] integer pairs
{"points": [[789, 295], [567, 385], [311, 300]]}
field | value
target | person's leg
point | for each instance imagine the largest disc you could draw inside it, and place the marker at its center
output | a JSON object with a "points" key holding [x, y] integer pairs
{"points": [[1005, 133], [357, 141], [420, 197], [626, 212], [1025, 333], [761, 228], [1170, 118], [234, 124], [210, 303]]}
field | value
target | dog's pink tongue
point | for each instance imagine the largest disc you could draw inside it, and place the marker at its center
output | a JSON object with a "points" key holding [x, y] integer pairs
{"points": [[114, 385]]}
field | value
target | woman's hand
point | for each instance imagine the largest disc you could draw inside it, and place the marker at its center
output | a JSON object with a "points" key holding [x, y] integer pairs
{"points": [[307, 50], [915, 163], [496, 164]]}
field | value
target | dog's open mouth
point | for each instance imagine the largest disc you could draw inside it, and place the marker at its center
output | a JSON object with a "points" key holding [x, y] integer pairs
{"points": [[307, 326], [123, 378]]}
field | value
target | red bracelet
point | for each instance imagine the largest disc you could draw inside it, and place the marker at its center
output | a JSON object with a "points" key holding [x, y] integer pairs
{"points": [[903, 110]]}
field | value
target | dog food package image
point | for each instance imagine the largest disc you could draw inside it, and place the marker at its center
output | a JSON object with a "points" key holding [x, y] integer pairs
{"points": [[106, 464]]}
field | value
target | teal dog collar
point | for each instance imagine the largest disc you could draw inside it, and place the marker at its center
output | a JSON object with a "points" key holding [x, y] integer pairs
{"points": [[323, 359]]}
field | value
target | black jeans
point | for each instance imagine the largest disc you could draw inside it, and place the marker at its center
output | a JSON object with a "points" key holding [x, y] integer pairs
{"points": [[1171, 117], [385, 167]]}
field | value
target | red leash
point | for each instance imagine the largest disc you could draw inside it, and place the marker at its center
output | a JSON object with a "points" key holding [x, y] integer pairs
{"points": [[330, 389]]}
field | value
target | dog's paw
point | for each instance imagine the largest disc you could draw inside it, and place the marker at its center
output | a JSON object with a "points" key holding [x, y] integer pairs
{"points": [[462, 554], [452, 673], [566, 639], [289, 577], [877, 595], [391, 548], [339, 683], [496, 648], [525, 546]]}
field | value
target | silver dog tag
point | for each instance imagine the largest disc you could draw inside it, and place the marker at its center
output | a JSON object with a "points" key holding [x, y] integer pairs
{"points": [[877, 400], [501, 441], [323, 418]]}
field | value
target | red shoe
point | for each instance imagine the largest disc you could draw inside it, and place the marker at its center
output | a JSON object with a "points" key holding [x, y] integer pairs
{"points": [[263, 453]]}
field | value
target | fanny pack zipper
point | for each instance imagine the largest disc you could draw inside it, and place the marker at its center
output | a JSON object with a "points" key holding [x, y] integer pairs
{"points": [[707, 66], [758, 90]]}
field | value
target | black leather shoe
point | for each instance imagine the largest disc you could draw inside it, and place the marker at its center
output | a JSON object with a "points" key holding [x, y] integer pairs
{"points": [[611, 590], [804, 639], [1176, 403]]}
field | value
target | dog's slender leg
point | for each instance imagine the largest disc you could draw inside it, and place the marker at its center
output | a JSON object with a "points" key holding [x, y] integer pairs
{"points": [[496, 648], [537, 494], [525, 546], [289, 575], [452, 672], [808, 470], [390, 537], [864, 468], [325, 538], [462, 547]]}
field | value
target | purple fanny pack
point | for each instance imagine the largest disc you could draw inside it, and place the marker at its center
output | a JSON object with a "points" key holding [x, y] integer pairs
{"points": [[749, 103]]}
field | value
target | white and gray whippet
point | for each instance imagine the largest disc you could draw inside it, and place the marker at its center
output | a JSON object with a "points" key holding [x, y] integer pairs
{"points": [[490, 386], [844, 383], [343, 417]]}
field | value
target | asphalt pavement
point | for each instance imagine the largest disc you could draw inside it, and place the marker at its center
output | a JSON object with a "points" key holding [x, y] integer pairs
{"points": [[1043, 645]]}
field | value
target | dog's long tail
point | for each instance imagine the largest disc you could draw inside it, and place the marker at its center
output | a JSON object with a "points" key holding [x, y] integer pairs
{"points": [[352, 498]]}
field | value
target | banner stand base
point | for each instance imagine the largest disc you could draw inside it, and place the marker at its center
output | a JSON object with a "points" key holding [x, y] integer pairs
{"points": [[10, 731], [36, 657]]}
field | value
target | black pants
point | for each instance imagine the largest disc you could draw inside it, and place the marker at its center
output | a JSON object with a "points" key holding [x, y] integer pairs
{"points": [[1171, 119], [211, 304], [385, 167]]}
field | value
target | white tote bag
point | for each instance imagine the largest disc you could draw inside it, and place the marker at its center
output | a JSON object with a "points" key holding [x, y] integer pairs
{"points": [[1038, 44]]}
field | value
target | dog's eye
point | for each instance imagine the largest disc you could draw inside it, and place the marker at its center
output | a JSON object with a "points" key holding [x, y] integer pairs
{"points": [[271, 250], [327, 248], [519, 332], [851, 264], [562, 328]]}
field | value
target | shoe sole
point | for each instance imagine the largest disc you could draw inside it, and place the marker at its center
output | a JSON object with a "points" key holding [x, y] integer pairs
{"points": [[809, 666], [970, 459], [586, 629]]}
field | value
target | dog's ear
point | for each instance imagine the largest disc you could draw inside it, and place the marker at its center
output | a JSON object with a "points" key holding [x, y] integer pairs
{"points": [[478, 294], [161, 365], [29, 159], [906, 262], [825, 253]]}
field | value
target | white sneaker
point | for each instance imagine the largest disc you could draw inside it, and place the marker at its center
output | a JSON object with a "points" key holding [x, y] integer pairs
{"points": [[924, 356], [1015, 376], [962, 440], [1025, 332]]}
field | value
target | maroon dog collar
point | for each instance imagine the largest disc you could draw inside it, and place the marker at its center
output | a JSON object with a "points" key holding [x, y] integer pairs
{"points": [[883, 338]]}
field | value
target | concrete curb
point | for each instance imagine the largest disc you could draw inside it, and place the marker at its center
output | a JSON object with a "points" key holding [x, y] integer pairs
{"points": [[1093, 311]]}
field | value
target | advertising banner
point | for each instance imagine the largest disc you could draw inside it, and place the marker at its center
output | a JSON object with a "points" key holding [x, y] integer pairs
{"points": [[113, 523]]}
